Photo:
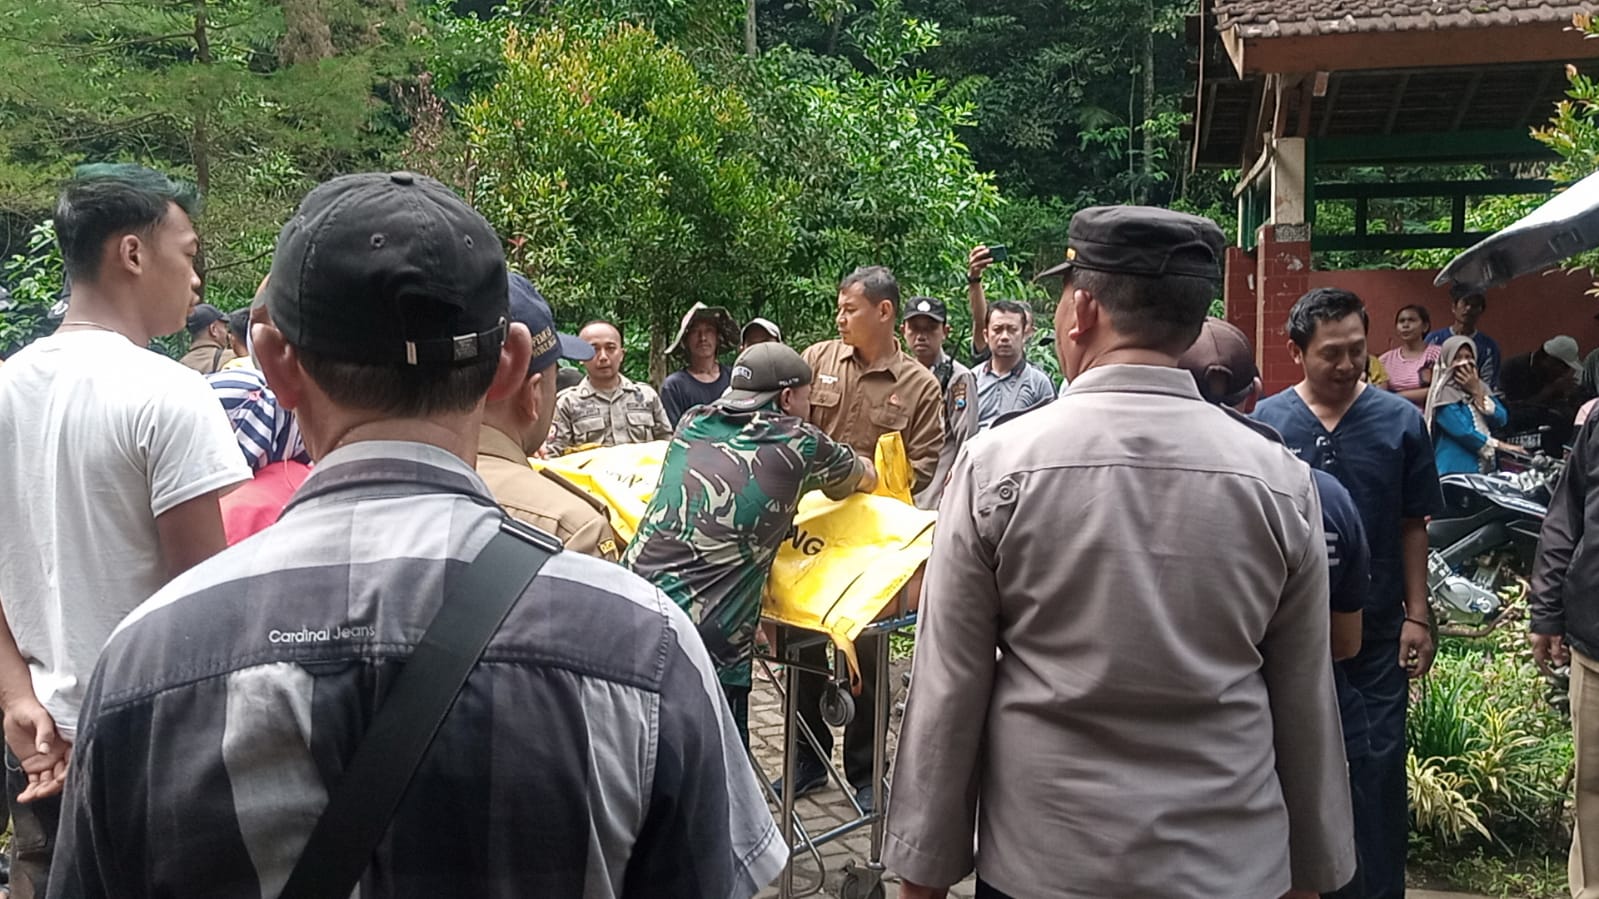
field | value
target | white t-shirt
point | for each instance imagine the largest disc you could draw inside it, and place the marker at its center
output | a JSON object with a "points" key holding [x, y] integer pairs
{"points": [[97, 438]]}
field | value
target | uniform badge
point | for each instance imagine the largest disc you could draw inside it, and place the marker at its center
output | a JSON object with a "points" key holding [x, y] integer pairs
{"points": [[827, 379], [608, 547], [957, 394]]}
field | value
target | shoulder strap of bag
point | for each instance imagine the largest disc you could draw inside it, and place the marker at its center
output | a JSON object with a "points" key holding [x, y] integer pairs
{"points": [[364, 801]]}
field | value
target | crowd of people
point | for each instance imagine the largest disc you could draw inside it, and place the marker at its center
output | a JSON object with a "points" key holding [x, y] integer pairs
{"points": [[1166, 627]]}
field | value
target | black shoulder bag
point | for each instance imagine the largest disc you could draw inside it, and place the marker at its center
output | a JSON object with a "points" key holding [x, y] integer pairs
{"points": [[363, 803]]}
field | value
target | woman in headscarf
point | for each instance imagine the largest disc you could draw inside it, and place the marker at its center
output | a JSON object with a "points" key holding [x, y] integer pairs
{"points": [[1461, 410]]}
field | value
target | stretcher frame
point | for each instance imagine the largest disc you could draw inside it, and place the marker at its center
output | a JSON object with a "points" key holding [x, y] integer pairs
{"points": [[857, 882]]}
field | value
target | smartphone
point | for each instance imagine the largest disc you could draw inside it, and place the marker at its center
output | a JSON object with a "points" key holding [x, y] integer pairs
{"points": [[998, 252]]}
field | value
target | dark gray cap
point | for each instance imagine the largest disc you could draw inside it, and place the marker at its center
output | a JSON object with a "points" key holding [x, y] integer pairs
{"points": [[762, 372], [389, 268]]}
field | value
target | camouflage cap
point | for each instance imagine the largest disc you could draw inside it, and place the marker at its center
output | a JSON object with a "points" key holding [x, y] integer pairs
{"points": [[762, 372]]}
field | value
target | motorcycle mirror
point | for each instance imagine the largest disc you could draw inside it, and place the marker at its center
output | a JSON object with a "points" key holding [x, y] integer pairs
{"points": [[1562, 227]]}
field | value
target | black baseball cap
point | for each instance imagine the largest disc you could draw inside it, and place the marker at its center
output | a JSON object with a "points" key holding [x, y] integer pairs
{"points": [[1222, 363], [1142, 240], [389, 268], [763, 371], [203, 316], [550, 346], [928, 307]]}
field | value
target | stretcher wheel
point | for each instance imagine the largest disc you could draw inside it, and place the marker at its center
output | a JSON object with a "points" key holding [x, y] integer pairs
{"points": [[860, 884], [838, 707]]}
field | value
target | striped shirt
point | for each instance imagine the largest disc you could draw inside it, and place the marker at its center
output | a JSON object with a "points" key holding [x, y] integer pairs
{"points": [[590, 753], [266, 431]]}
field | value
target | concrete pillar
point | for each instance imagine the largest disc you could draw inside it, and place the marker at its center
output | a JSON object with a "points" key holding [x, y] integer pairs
{"points": [[1282, 276]]}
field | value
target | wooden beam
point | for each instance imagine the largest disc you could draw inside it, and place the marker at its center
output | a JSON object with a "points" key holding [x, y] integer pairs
{"points": [[1399, 101], [1419, 241], [1249, 142], [1207, 108], [1254, 172], [1461, 146], [1234, 45], [1466, 100], [1491, 187], [1536, 101], [1279, 113], [1328, 105], [1307, 97], [1433, 48]]}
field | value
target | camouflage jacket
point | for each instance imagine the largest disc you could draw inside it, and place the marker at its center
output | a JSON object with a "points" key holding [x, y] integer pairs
{"points": [[630, 412], [730, 484]]}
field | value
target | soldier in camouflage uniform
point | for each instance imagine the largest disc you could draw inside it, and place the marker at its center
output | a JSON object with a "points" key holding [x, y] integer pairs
{"points": [[730, 484]]}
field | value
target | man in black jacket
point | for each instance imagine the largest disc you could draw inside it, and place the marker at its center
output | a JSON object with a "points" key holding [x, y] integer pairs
{"points": [[1565, 630]]}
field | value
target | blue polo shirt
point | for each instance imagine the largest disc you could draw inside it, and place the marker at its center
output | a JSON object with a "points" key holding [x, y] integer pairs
{"points": [[1380, 453], [1487, 353]]}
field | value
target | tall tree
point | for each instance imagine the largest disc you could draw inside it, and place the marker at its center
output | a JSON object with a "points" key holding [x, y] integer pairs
{"points": [[254, 100]]}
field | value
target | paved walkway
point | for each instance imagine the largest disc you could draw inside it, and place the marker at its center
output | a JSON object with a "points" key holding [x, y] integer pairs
{"points": [[822, 811], [829, 808]]}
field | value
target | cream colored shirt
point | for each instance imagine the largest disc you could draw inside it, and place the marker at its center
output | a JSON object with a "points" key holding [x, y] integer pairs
{"points": [[1123, 675]]}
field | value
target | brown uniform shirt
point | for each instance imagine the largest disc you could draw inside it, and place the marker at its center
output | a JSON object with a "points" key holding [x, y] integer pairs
{"points": [[206, 357], [857, 404], [543, 499]]}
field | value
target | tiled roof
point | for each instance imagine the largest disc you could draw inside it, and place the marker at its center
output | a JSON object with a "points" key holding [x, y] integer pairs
{"points": [[1282, 18]]}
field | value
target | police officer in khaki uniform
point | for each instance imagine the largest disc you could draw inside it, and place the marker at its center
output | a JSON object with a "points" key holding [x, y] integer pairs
{"points": [[607, 409], [516, 426], [1122, 681], [208, 340], [925, 328]]}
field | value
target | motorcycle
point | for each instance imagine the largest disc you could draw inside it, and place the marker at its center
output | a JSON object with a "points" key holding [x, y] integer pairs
{"points": [[1484, 544]]}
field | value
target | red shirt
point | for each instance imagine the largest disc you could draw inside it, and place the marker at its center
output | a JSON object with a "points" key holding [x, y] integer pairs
{"points": [[258, 502]]}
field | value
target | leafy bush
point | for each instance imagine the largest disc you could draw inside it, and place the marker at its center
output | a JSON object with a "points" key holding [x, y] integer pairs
{"points": [[623, 181], [33, 278], [1488, 755]]}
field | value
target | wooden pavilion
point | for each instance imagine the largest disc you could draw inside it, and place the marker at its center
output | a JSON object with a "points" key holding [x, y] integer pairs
{"points": [[1289, 88]]}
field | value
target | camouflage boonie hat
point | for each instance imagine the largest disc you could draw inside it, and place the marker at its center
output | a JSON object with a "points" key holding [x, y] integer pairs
{"points": [[727, 333]]}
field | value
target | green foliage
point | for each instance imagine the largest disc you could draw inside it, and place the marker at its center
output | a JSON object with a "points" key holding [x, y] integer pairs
{"points": [[625, 185], [34, 280], [632, 177], [255, 100], [1488, 755], [1536, 873]]}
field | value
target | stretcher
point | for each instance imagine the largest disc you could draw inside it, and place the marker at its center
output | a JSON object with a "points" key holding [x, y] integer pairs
{"points": [[849, 567], [838, 709]]}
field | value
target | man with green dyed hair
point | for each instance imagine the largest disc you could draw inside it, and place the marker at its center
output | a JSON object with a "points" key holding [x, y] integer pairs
{"points": [[730, 485]]}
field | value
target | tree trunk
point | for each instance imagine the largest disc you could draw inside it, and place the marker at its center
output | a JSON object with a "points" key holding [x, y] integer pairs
{"points": [[200, 137], [751, 47], [1149, 102], [306, 35], [834, 28], [658, 361]]}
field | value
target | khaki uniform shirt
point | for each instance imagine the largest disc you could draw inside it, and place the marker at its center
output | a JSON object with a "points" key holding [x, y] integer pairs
{"points": [[960, 422], [630, 412], [206, 357], [543, 499], [856, 405], [1123, 673]]}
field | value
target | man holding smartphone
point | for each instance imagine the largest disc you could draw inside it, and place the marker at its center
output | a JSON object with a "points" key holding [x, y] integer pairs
{"points": [[979, 259]]}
